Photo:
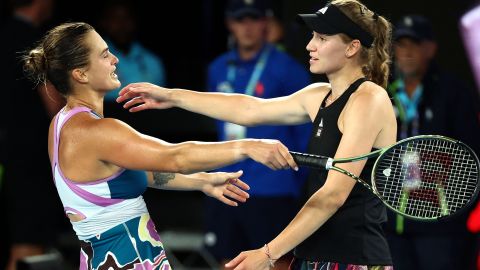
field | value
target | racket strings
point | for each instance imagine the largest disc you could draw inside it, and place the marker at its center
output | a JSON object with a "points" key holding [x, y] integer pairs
{"points": [[427, 178]]}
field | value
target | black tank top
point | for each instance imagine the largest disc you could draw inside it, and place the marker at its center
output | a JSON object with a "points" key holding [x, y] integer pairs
{"points": [[354, 234]]}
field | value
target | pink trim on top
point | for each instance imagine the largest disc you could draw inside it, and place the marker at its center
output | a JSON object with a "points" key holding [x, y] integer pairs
{"points": [[95, 199], [55, 148], [74, 211], [70, 113]]}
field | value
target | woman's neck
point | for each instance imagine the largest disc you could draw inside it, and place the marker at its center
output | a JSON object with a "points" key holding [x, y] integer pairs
{"points": [[340, 84], [96, 104]]}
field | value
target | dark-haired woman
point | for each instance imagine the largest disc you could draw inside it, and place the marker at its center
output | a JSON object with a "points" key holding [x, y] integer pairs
{"points": [[99, 164]]}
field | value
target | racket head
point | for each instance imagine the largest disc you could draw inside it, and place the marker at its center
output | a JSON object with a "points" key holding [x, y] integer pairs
{"points": [[427, 177]]}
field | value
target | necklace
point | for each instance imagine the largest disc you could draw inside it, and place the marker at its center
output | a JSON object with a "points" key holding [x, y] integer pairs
{"points": [[331, 99]]}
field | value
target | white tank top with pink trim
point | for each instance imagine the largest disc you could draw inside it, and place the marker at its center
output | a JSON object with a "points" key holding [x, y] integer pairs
{"points": [[104, 203]]}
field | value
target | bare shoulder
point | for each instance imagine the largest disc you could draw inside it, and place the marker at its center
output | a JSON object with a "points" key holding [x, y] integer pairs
{"points": [[370, 94], [106, 129], [93, 133], [311, 96], [370, 103], [370, 110], [315, 88]]}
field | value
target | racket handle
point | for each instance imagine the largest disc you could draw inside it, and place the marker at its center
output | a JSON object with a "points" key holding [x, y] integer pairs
{"points": [[309, 160]]}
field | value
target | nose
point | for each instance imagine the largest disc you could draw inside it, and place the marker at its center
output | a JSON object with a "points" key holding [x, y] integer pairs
{"points": [[115, 60], [310, 46]]}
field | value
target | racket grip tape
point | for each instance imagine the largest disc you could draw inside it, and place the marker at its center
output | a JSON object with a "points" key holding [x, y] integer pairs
{"points": [[309, 160]]}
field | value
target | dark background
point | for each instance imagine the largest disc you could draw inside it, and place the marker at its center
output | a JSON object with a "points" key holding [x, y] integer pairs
{"points": [[187, 35]]}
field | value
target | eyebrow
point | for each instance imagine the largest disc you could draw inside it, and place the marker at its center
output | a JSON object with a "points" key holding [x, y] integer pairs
{"points": [[104, 50]]}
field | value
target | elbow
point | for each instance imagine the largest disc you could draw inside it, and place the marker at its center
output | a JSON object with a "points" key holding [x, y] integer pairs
{"points": [[330, 201], [336, 201], [247, 120], [179, 165], [249, 117], [179, 160]]}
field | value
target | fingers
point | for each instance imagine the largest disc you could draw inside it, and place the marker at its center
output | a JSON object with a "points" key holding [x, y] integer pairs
{"points": [[226, 201], [277, 161], [235, 175], [288, 158], [137, 100], [132, 102], [236, 193], [236, 261], [139, 108], [239, 183], [282, 158], [126, 88], [128, 92]]}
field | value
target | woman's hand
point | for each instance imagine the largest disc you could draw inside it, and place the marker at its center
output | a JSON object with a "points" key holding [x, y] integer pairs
{"points": [[225, 186], [252, 259], [271, 153], [145, 96]]}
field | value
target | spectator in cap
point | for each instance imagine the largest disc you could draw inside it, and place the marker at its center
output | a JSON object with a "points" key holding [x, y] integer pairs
{"points": [[238, 9], [257, 68], [428, 100]]}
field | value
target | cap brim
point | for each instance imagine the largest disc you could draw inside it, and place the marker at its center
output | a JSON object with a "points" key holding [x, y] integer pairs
{"points": [[245, 12], [316, 23], [406, 33]]}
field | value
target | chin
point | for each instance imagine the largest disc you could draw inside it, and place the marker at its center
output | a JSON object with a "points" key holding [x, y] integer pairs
{"points": [[316, 70], [116, 84]]}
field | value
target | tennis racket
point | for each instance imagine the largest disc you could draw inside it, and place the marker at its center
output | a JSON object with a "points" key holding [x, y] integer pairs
{"points": [[425, 177]]}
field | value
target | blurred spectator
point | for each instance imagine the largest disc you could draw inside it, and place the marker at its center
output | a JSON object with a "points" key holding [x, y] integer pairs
{"points": [[429, 101], [27, 186], [469, 25], [257, 68], [136, 63], [275, 30]]}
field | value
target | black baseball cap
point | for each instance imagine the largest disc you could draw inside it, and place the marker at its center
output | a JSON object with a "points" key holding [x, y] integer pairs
{"points": [[415, 27], [237, 9], [330, 20]]}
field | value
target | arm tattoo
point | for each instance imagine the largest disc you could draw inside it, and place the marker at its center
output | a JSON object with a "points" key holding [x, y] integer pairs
{"points": [[161, 179]]}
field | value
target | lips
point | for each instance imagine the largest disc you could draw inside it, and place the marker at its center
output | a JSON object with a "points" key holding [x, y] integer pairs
{"points": [[113, 74]]}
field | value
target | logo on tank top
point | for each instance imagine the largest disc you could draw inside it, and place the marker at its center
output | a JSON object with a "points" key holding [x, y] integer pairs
{"points": [[320, 128]]}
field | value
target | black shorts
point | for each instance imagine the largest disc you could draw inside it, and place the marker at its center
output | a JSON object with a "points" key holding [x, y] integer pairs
{"points": [[231, 230]]}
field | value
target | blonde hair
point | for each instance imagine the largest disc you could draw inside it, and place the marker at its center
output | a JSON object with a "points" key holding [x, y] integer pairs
{"points": [[375, 60]]}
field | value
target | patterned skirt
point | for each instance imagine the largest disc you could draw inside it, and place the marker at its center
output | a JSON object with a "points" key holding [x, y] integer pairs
{"points": [[134, 244], [298, 264]]}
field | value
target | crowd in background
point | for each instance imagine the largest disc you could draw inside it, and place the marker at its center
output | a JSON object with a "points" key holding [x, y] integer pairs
{"points": [[428, 97]]}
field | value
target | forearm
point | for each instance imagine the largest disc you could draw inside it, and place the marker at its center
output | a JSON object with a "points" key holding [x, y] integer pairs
{"points": [[310, 218], [192, 157], [177, 181], [234, 108]]}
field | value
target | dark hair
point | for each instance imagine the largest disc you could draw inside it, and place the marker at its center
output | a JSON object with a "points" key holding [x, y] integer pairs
{"points": [[60, 51], [376, 59]]}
